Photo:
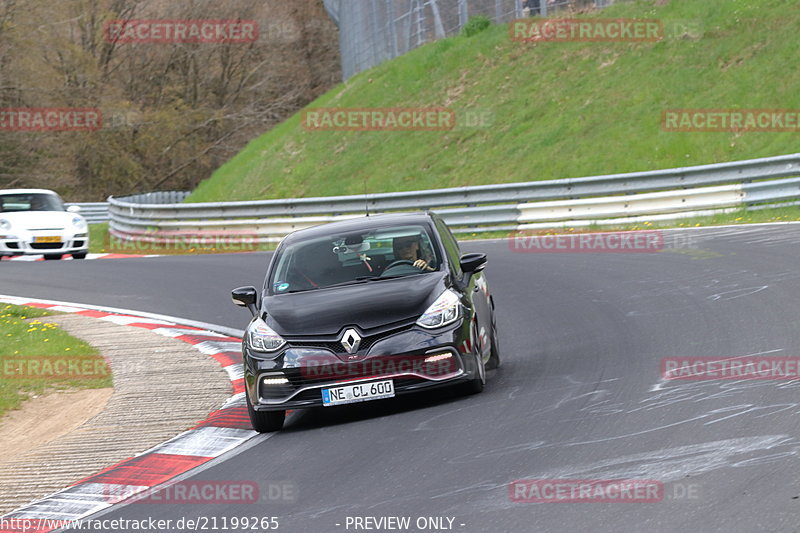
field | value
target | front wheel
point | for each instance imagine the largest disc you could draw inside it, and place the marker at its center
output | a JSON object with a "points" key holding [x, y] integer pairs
{"points": [[81, 255], [265, 421], [52, 257], [476, 384], [494, 358]]}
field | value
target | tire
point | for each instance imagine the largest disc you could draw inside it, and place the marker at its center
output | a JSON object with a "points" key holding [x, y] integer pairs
{"points": [[476, 384], [494, 358], [52, 257], [81, 255], [265, 421]]}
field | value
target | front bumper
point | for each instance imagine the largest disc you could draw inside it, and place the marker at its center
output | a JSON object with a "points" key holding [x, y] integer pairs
{"points": [[415, 360], [25, 244]]}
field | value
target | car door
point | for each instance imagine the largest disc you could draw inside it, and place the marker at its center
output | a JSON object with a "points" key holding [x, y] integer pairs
{"points": [[476, 291]]}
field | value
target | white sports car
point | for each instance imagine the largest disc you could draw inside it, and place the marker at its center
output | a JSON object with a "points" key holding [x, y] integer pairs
{"points": [[35, 222]]}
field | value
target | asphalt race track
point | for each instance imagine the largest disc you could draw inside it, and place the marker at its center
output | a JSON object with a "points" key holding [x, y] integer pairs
{"points": [[579, 394]]}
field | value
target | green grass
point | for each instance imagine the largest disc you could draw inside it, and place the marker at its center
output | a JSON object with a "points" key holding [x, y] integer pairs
{"points": [[26, 338], [558, 110], [98, 236]]}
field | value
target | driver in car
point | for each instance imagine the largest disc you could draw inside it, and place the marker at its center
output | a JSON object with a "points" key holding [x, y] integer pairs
{"points": [[408, 248]]}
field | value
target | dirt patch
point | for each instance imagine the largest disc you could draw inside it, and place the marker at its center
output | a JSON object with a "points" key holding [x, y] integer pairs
{"points": [[153, 376], [45, 418]]}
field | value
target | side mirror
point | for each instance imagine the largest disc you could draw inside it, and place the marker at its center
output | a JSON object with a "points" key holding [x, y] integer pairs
{"points": [[471, 263], [246, 297], [74, 209]]}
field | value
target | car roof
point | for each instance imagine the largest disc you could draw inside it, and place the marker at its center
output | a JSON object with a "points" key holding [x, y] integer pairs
{"points": [[360, 223], [27, 191]]}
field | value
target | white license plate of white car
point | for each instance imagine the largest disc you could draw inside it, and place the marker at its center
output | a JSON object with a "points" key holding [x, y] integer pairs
{"points": [[359, 392]]}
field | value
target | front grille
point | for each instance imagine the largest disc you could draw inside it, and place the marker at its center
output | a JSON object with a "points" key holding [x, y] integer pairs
{"points": [[77, 244], [335, 345], [371, 367], [47, 245], [13, 245]]}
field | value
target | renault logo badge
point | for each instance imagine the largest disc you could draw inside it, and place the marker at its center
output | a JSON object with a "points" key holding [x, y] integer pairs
{"points": [[351, 340]]}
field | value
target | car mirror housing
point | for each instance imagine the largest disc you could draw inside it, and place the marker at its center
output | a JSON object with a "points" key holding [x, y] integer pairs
{"points": [[74, 209], [246, 297], [471, 263]]}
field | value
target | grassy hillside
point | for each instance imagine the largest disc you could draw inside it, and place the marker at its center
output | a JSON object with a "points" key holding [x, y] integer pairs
{"points": [[559, 109]]}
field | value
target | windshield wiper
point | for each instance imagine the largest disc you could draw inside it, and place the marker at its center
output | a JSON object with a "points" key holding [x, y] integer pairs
{"points": [[299, 290], [360, 279]]}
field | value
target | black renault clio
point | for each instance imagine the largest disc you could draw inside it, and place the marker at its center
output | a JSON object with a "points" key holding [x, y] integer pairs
{"points": [[365, 309]]}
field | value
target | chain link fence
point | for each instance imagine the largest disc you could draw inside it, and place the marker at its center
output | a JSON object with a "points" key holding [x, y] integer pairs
{"points": [[372, 31]]}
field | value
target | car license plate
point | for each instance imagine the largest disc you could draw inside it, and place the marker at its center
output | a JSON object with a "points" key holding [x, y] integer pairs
{"points": [[47, 239], [359, 392]]}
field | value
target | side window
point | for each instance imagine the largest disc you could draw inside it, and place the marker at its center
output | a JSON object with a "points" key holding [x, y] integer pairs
{"points": [[450, 246]]}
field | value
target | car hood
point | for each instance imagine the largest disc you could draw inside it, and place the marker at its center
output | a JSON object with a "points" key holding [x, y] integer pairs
{"points": [[32, 220], [366, 305]]}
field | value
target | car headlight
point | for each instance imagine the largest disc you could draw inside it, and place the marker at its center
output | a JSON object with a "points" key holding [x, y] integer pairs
{"points": [[262, 337], [445, 310], [79, 222], [5, 225]]}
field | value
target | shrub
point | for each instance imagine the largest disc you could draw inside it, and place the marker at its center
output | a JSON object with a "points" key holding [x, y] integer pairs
{"points": [[475, 25]]}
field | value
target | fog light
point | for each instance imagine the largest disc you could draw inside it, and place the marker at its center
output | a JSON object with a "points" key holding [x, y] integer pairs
{"points": [[275, 381], [438, 357]]}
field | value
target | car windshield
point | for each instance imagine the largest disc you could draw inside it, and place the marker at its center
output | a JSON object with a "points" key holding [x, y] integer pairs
{"points": [[353, 258], [10, 203]]}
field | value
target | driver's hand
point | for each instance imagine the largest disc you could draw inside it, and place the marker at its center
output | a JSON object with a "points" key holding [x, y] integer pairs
{"points": [[422, 264]]}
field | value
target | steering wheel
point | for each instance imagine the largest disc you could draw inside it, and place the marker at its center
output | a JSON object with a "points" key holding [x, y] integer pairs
{"points": [[397, 263]]}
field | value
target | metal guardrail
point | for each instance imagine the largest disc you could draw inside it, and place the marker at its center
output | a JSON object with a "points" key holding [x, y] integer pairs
{"points": [[160, 197], [97, 212], [93, 212], [598, 199]]}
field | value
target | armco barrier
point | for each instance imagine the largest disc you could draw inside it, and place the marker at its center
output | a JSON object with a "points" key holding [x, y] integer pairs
{"points": [[678, 192], [94, 212], [97, 212]]}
